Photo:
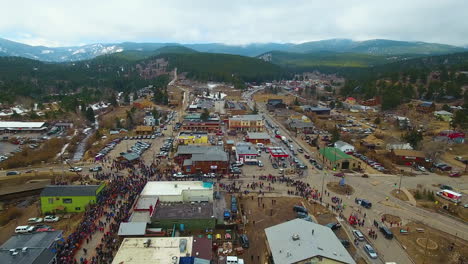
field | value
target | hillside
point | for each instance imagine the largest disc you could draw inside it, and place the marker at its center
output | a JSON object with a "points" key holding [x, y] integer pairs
{"points": [[85, 52], [330, 59], [124, 71]]}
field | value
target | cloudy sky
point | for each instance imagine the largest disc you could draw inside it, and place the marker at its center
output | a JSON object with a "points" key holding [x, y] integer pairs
{"points": [[76, 22]]}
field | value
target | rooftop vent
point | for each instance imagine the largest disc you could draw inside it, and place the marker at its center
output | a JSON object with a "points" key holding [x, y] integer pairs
{"points": [[295, 237]]}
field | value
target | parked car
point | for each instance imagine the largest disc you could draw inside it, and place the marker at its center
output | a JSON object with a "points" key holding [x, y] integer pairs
{"points": [[24, 229], [455, 174], [179, 175], [364, 203], [339, 174], [334, 226], [445, 187], [358, 235], [370, 251], [75, 169], [95, 169], [298, 208], [51, 218], [11, 173], [345, 243], [35, 220], [260, 163], [386, 232], [275, 166], [244, 240]]}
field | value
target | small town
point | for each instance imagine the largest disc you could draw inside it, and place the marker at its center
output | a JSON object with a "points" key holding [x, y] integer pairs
{"points": [[208, 132]]}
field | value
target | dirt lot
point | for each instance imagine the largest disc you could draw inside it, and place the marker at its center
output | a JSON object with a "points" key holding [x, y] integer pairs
{"points": [[336, 188], [438, 245]]}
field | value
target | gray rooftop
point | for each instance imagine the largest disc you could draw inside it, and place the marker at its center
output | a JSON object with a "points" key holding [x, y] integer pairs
{"points": [[132, 229], [258, 135], [313, 240], [340, 144], [70, 190], [130, 156], [183, 211], [37, 251], [194, 149], [245, 148], [300, 124], [247, 117]]}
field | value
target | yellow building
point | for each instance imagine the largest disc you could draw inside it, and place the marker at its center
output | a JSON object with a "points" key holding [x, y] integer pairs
{"points": [[192, 138]]}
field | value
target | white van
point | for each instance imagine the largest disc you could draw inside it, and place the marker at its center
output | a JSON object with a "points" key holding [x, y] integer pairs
{"points": [[24, 229], [260, 145]]}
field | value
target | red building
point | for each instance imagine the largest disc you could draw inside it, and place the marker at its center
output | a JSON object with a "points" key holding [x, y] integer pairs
{"points": [[198, 125], [202, 159], [258, 137]]}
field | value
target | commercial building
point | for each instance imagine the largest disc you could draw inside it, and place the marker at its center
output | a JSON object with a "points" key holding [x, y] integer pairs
{"points": [[235, 108], [34, 248], [144, 130], [179, 191], [209, 125], [202, 159], [253, 123], [345, 147], [19, 126], [408, 157], [298, 125], [334, 158], [273, 104], [258, 137], [300, 241], [69, 198], [163, 250], [246, 153], [277, 152], [316, 110], [144, 209], [189, 138]]}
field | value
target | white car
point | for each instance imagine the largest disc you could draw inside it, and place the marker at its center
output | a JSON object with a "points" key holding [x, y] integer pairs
{"points": [[24, 229], [179, 175], [358, 235], [260, 164], [370, 251], [35, 220], [75, 169], [51, 218]]}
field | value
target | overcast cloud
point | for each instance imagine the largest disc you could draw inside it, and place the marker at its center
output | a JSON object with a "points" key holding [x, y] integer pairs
{"points": [[64, 22]]}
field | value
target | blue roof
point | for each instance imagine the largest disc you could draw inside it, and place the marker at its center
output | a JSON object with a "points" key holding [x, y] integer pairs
{"points": [[426, 104]]}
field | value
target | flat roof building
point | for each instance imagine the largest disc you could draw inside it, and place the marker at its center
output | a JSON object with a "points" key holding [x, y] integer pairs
{"points": [[22, 126], [34, 248], [300, 241], [179, 191]]}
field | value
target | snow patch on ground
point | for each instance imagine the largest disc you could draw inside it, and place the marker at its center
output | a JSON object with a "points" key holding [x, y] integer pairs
{"points": [[46, 51]]}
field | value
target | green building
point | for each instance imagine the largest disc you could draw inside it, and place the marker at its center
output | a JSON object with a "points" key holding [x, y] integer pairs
{"points": [[69, 198], [336, 159]]}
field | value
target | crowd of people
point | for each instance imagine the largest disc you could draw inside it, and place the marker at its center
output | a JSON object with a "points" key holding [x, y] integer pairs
{"points": [[103, 218]]}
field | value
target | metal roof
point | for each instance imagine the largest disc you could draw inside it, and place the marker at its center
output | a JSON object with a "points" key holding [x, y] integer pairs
{"points": [[333, 154], [19, 124], [130, 156], [245, 148], [194, 149], [298, 240], [70, 190], [258, 135], [247, 117], [132, 229]]}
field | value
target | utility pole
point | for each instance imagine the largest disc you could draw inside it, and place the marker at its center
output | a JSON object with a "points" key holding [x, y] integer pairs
{"points": [[399, 185]]}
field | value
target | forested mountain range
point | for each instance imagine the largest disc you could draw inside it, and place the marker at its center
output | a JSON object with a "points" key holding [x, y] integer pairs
{"points": [[369, 47]]}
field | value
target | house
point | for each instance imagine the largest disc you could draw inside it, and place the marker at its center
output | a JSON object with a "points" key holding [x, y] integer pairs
{"points": [[253, 123], [144, 130], [406, 146], [149, 120], [195, 159], [258, 137], [273, 104], [403, 122], [451, 136], [189, 138], [408, 157], [246, 153], [345, 147], [350, 100], [336, 159], [443, 115], [301, 126], [316, 110], [300, 241], [31, 248], [69, 198], [163, 250], [426, 107]]}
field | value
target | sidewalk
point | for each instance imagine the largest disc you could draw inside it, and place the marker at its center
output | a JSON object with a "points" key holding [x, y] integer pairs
{"points": [[410, 196]]}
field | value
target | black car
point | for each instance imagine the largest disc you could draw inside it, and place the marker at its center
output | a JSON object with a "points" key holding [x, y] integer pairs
{"points": [[275, 166], [364, 203], [345, 243], [386, 232], [334, 226], [298, 208], [244, 240]]}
